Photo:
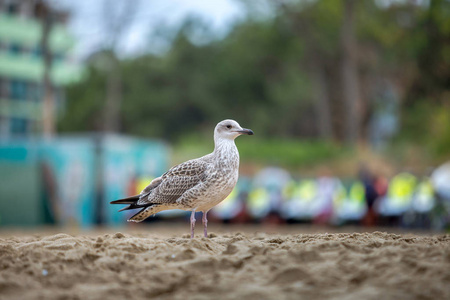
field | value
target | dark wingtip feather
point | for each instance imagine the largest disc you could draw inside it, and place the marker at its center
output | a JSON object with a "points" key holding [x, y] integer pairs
{"points": [[125, 208], [129, 200]]}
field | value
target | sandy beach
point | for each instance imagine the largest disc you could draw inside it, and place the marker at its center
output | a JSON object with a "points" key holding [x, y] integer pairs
{"points": [[228, 265]]}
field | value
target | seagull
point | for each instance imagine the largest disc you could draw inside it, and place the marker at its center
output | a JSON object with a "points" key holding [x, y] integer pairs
{"points": [[195, 185]]}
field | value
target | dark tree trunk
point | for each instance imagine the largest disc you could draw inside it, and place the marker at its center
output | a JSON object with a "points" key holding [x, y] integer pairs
{"points": [[117, 21], [113, 97], [350, 83], [322, 101], [321, 98]]}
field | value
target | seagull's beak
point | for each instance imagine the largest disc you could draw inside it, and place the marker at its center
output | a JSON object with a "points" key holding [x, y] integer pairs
{"points": [[245, 131]]}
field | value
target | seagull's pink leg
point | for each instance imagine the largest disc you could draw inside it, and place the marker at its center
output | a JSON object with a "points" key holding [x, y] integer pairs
{"points": [[205, 223], [192, 223]]}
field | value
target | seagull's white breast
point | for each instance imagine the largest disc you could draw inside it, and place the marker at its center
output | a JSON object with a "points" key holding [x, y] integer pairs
{"points": [[222, 176]]}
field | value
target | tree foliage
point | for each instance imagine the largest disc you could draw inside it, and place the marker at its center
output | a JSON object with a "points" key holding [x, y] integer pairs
{"points": [[268, 72]]}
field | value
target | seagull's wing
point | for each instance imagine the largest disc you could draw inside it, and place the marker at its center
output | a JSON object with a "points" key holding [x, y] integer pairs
{"points": [[174, 183], [146, 191]]}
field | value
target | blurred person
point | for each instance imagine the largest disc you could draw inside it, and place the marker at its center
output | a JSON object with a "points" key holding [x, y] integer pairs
{"points": [[300, 205], [398, 198], [286, 195], [327, 188], [349, 207], [423, 202], [380, 185], [368, 180], [288, 190], [258, 203], [272, 180], [440, 179], [371, 193], [275, 200]]}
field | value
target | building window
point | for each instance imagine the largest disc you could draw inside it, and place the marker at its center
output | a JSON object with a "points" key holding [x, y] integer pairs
{"points": [[34, 93], [37, 51], [12, 8], [18, 90], [58, 58], [19, 126], [15, 49]]}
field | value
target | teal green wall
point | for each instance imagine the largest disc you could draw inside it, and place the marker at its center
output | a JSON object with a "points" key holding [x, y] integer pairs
{"points": [[20, 187]]}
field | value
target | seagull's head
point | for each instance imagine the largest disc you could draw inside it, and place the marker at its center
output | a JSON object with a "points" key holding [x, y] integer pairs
{"points": [[230, 129]]}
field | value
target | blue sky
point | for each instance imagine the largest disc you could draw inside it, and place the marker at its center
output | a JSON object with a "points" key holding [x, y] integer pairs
{"points": [[88, 26]]}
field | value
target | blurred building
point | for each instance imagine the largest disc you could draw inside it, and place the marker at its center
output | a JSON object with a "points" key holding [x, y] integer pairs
{"points": [[22, 64]]}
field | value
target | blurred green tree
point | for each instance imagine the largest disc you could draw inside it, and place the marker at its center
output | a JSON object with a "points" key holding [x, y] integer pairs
{"points": [[281, 73]]}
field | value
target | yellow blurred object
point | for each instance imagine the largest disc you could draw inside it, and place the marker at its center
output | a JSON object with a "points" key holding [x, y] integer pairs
{"points": [[142, 183], [357, 192], [402, 187], [307, 190], [257, 198]]}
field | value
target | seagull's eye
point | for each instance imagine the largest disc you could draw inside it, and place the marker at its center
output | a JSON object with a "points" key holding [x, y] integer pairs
{"points": [[229, 126]]}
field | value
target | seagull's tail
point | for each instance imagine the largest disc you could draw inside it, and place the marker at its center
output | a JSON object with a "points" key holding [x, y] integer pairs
{"points": [[147, 210], [132, 201]]}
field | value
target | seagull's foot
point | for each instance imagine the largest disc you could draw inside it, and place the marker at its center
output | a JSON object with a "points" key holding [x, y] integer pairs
{"points": [[192, 224], [205, 224]]}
